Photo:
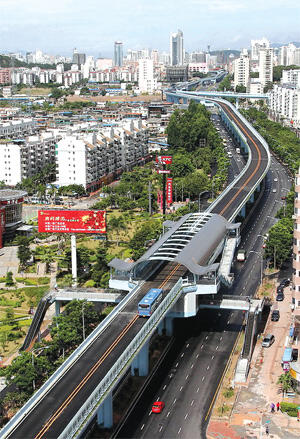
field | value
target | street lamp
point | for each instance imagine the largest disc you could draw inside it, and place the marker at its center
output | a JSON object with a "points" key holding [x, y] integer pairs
{"points": [[32, 359], [83, 326]]}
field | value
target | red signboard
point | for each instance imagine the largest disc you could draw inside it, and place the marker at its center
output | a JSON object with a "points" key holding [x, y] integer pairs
{"points": [[164, 159], [72, 221], [2, 225], [169, 190]]}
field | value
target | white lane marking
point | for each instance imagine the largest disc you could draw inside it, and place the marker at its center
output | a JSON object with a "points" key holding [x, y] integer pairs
{"points": [[179, 430], [201, 346], [186, 416], [142, 426], [198, 389], [182, 354], [206, 337], [212, 357], [150, 412], [164, 387], [203, 378], [197, 355], [217, 347], [176, 365], [187, 345], [187, 376], [192, 366], [168, 414], [161, 428], [174, 401], [180, 388], [221, 338], [207, 367], [158, 399], [192, 402]]}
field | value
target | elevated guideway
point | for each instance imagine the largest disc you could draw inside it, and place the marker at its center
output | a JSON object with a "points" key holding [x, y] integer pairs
{"points": [[83, 385]]}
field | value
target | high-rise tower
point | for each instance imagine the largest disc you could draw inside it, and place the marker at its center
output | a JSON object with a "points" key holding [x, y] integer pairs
{"points": [[176, 48], [118, 53]]}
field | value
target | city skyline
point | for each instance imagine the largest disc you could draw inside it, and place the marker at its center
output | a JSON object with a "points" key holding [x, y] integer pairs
{"points": [[62, 25]]}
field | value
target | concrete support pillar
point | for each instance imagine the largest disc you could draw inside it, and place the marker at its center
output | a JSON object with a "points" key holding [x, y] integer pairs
{"points": [[57, 308], [258, 188], [237, 103], [251, 199], [161, 328], [243, 212], [105, 412], [141, 361], [169, 326]]}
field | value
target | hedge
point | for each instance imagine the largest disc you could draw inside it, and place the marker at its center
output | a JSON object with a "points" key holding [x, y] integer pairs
{"points": [[290, 408]]}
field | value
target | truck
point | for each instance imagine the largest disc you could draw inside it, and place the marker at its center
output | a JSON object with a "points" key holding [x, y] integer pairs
{"points": [[241, 255]]}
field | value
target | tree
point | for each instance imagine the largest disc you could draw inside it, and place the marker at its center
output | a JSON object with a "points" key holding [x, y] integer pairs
{"points": [[240, 89], [286, 382], [9, 282], [100, 267], [181, 166], [118, 224], [57, 93], [279, 243], [22, 373], [24, 252], [148, 231], [84, 91]]}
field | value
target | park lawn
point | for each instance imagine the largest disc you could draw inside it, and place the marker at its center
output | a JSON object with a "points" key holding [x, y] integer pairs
{"points": [[36, 91]]}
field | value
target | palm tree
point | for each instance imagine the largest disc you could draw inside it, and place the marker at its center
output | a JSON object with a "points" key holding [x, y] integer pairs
{"points": [[286, 381]]}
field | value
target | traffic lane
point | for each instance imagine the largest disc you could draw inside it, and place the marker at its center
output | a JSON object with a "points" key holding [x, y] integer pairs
{"points": [[57, 396], [187, 392]]}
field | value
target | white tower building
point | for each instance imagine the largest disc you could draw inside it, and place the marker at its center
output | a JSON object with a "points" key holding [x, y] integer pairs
{"points": [[176, 49]]}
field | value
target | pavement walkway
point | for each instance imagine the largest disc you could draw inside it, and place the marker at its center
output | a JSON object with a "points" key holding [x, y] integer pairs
{"points": [[251, 411]]}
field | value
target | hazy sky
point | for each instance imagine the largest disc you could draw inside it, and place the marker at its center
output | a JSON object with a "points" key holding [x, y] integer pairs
{"points": [[92, 26]]}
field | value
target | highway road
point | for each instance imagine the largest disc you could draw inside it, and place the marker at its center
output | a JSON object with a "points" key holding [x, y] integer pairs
{"points": [[52, 414], [189, 394]]}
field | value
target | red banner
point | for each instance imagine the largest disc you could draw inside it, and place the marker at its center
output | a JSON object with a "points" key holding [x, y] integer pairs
{"points": [[164, 159], [72, 221], [169, 190], [2, 225]]}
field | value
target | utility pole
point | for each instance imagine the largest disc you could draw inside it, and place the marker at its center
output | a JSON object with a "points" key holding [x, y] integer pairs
{"points": [[150, 197], [74, 260]]}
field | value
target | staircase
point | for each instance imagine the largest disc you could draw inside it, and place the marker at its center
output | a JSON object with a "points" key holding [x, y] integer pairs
{"points": [[36, 322]]}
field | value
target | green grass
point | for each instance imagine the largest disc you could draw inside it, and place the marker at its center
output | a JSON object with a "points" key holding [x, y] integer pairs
{"points": [[33, 281]]}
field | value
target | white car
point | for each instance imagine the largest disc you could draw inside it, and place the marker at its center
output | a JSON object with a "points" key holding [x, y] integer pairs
{"points": [[274, 191], [275, 179]]}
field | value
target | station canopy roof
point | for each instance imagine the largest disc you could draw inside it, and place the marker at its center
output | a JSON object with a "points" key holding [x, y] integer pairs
{"points": [[192, 241]]}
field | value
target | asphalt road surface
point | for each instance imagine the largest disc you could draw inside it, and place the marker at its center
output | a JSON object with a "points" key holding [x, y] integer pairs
{"points": [[190, 385]]}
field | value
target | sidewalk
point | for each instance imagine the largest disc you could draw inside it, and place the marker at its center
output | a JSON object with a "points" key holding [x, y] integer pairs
{"points": [[251, 410]]}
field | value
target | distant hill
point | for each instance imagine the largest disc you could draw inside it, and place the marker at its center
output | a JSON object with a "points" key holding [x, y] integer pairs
{"points": [[296, 43], [6, 61]]}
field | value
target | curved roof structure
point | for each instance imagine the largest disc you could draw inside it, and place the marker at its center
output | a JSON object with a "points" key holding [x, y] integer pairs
{"points": [[192, 241]]}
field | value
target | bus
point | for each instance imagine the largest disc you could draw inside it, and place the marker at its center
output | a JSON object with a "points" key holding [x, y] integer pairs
{"points": [[150, 302]]}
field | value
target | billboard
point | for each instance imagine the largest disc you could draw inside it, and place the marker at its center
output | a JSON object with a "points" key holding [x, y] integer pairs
{"points": [[164, 159], [72, 221], [169, 190]]}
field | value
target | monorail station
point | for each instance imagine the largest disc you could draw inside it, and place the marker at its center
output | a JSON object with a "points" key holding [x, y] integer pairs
{"points": [[202, 243]]}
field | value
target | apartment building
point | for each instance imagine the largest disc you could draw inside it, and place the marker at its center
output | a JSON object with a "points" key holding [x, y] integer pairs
{"points": [[17, 128], [92, 158], [147, 80], [265, 66], [296, 245], [291, 77], [5, 76], [242, 70], [284, 103], [22, 158]]}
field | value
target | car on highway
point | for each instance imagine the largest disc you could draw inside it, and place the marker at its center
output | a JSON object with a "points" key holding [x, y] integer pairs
{"points": [[275, 316], [275, 179], [280, 297], [268, 341], [158, 407], [274, 191]]}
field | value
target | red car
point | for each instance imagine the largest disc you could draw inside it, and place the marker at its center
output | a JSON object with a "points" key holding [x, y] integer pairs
{"points": [[158, 407]]}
